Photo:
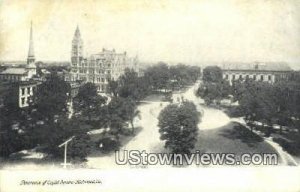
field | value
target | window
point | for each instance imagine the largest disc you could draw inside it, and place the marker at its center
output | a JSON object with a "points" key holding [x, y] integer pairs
{"points": [[233, 77], [269, 77], [254, 77], [23, 101], [226, 76], [102, 80], [28, 90], [262, 77], [247, 76], [240, 77], [23, 91]]}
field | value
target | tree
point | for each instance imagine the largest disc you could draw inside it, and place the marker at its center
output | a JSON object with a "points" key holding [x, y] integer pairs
{"points": [[158, 76], [131, 112], [129, 85], [214, 91], [12, 123], [87, 102], [48, 113], [183, 75], [50, 101], [237, 89], [178, 126], [287, 94], [212, 74], [116, 116], [249, 104], [258, 103], [113, 87], [79, 148]]}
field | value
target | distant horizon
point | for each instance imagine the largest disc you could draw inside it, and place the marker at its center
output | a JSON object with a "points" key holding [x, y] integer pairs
{"points": [[207, 63]]}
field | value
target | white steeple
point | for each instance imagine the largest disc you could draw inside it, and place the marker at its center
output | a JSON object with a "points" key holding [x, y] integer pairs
{"points": [[30, 58], [31, 67]]}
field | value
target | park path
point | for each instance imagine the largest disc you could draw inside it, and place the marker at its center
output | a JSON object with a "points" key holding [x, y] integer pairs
{"points": [[148, 138]]}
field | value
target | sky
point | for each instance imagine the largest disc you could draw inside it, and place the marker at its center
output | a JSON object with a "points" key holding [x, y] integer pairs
{"points": [[166, 30]]}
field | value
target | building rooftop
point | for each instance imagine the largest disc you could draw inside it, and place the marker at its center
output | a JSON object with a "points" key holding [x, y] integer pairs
{"points": [[258, 66], [14, 71]]}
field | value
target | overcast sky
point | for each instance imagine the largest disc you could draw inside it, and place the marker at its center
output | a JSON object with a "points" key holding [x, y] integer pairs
{"points": [[178, 31]]}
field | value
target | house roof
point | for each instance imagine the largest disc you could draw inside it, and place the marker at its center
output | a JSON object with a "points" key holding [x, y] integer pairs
{"points": [[257, 66], [14, 71]]}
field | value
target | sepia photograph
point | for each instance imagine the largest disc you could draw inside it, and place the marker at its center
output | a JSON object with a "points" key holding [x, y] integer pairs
{"points": [[150, 95]]}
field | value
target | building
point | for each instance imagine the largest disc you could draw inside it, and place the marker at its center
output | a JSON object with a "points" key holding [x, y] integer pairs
{"points": [[14, 75], [20, 92], [98, 68], [20, 79], [25, 73], [26, 90], [267, 72]]}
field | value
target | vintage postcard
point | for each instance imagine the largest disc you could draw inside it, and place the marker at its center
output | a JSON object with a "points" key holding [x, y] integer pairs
{"points": [[150, 95]]}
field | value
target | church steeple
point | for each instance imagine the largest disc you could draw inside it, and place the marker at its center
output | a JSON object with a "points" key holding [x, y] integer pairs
{"points": [[31, 67], [30, 58]]}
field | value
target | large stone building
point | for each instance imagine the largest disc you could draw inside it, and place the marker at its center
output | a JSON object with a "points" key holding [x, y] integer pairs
{"points": [[268, 72], [98, 68]]}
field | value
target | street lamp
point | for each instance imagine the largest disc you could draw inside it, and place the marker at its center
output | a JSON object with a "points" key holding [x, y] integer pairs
{"points": [[65, 156]]}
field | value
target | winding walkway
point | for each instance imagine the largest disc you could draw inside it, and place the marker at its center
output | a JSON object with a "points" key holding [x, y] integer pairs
{"points": [[212, 128]]}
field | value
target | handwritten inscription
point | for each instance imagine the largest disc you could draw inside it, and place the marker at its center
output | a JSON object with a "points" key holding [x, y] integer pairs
{"points": [[61, 182]]}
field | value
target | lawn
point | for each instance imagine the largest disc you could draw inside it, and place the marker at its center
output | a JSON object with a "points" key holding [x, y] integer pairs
{"points": [[231, 138]]}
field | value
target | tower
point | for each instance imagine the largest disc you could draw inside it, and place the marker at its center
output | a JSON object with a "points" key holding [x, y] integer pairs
{"points": [[77, 48], [76, 55], [31, 67]]}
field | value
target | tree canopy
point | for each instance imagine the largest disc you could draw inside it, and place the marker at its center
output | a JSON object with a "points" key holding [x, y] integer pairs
{"points": [[50, 101], [212, 74], [87, 102], [178, 126]]}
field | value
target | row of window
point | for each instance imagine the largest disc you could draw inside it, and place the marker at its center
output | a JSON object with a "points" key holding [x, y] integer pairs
{"points": [[100, 79], [102, 88], [91, 71], [28, 90], [255, 77], [98, 65], [11, 77]]}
